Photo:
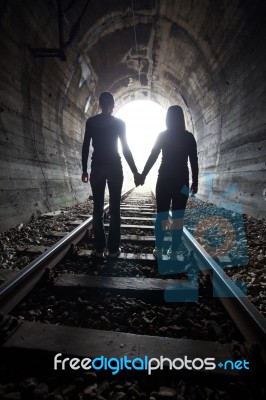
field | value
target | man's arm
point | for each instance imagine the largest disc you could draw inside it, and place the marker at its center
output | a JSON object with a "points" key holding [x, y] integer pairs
{"points": [[85, 153], [193, 159], [128, 155], [125, 148]]}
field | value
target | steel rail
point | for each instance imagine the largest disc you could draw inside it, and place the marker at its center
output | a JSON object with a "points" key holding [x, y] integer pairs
{"points": [[16, 288], [249, 321], [245, 315]]}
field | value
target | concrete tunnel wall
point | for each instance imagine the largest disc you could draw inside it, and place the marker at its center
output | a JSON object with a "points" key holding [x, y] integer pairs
{"points": [[208, 56]]}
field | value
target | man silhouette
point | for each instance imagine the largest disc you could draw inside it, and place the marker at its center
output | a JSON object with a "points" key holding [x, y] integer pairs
{"points": [[104, 130]]}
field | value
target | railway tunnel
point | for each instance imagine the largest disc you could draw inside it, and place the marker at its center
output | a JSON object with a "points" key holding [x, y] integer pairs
{"points": [[58, 56]]}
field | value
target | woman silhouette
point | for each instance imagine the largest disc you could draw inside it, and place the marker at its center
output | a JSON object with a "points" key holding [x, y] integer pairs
{"points": [[177, 145]]}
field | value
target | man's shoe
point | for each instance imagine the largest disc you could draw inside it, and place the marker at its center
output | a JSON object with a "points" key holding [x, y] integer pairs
{"points": [[115, 254], [158, 253], [99, 254], [172, 254]]}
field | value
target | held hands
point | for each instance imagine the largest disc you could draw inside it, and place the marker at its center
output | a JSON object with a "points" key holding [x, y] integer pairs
{"points": [[139, 179], [142, 179], [85, 177]]}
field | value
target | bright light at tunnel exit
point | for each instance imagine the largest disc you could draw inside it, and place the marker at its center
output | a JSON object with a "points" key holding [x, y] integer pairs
{"points": [[144, 121]]}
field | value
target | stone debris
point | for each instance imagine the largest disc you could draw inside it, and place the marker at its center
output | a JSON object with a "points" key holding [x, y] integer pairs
{"points": [[108, 311], [132, 387], [166, 393], [35, 233], [204, 320]]}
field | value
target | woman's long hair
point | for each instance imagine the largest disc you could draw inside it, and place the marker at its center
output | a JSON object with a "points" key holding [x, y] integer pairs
{"points": [[175, 120]]}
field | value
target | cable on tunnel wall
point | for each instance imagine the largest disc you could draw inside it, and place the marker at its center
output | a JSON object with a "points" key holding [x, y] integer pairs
{"points": [[135, 36]]}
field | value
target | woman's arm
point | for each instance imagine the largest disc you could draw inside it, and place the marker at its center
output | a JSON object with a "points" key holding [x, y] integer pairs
{"points": [[153, 156], [193, 159]]}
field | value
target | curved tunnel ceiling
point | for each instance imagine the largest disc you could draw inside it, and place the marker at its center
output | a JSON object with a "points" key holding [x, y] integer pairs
{"points": [[173, 52], [153, 52]]}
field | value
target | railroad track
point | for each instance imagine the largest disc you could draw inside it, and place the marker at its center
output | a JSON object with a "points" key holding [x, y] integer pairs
{"points": [[137, 227]]}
